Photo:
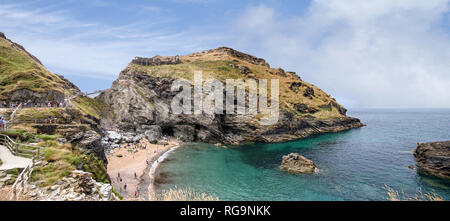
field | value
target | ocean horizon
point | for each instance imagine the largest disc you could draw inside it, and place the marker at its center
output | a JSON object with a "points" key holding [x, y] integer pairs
{"points": [[358, 164]]}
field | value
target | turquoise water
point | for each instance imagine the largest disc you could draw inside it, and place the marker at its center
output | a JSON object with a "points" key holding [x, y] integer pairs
{"points": [[354, 165]]}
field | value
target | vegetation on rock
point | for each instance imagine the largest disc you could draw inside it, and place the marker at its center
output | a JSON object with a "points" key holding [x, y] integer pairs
{"points": [[20, 70]]}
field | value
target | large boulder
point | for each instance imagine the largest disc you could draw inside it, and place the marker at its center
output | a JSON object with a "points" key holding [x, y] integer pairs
{"points": [[296, 163], [153, 133], [434, 158]]}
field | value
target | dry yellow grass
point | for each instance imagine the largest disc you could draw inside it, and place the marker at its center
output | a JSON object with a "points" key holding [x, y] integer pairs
{"points": [[218, 65], [187, 194], [394, 195]]}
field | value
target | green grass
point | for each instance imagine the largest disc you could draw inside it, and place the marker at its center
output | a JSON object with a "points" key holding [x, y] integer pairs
{"points": [[1, 162], [95, 166], [90, 106], [18, 135], [14, 174], [32, 114], [47, 137], [19, 71], [220, 70], [63, 159]]}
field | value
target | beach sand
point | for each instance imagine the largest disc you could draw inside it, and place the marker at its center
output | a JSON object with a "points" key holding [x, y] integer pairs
{"points": [[134, 159]]}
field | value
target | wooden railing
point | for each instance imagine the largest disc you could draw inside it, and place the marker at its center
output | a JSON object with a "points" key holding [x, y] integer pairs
{"points": [[18, 149], [11, 118], [23, 150], [20, 185]]}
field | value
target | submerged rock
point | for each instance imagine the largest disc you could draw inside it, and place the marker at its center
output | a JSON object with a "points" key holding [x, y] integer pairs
{"points": [[296, 163], [434, 158]]}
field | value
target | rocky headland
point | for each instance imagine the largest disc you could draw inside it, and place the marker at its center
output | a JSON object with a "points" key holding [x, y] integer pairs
{"points": [[141, 99], [434, 158], [135, 113]]}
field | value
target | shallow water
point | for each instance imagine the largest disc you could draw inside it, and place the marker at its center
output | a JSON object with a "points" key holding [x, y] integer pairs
{"points": [[354, 165]]}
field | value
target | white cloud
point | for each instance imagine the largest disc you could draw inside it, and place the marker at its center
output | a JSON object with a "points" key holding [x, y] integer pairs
{"points": [[369, 53], [70, 46], [380, 53]]}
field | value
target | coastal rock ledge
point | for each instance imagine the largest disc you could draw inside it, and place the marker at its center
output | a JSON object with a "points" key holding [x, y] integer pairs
{"points": [[296, 163], [434, 158]]}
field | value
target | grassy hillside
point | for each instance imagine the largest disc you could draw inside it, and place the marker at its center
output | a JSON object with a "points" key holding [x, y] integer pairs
{"points": [[20, 70], [294, 92]]}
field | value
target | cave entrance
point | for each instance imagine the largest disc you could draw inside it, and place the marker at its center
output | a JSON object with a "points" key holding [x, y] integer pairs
{"points": [[167, 131]]}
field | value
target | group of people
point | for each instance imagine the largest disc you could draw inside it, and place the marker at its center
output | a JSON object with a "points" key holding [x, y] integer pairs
{"points": [[119, 179], [3, 123], [51, 120], [30, 104]]}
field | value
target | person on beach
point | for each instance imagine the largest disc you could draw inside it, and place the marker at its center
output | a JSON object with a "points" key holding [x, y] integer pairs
{"points": [[125, 186], [135, 176]]}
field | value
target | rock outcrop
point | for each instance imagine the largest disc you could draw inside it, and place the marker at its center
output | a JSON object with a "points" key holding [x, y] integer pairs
{"points": [[79, 186], [296, 163], [434, 158], [143, 98], [235, 54]]}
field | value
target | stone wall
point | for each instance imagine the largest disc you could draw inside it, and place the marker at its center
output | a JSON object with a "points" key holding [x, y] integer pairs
{"points": [[156, 60]]}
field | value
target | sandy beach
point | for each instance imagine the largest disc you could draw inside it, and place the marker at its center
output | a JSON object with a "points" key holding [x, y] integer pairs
{"points": [[127, 166]]}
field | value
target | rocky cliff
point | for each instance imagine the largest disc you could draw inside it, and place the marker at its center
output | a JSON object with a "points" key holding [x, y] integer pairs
{"points": [[141, 99], [434, 158]]}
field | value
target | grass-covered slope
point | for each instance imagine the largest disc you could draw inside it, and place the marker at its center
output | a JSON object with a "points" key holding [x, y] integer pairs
{"points": [[20, 70], [296, 96]]}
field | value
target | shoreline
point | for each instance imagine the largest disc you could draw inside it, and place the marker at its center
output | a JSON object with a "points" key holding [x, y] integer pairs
{"points": [[128, 167], [152, 171]]}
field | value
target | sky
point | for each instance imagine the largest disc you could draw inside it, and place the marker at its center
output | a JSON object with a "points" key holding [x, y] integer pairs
{"points": [[374, 53]]}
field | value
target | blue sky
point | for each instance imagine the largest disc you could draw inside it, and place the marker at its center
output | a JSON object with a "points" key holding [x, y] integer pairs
{"points": [[381, 53]]}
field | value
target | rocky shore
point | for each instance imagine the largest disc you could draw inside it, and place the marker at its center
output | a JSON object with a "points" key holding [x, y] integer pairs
{"points": [[434, 158], [79, 186]]}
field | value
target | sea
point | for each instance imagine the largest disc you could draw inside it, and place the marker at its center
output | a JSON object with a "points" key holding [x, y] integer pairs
{"points": [[355, 165]]}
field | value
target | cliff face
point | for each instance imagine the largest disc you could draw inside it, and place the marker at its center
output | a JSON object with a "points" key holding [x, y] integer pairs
{"points": [[23, 77], [141, 98], [434, 158]]}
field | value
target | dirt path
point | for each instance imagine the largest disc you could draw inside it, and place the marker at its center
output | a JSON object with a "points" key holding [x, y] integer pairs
{"points": [[10, 161]]}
